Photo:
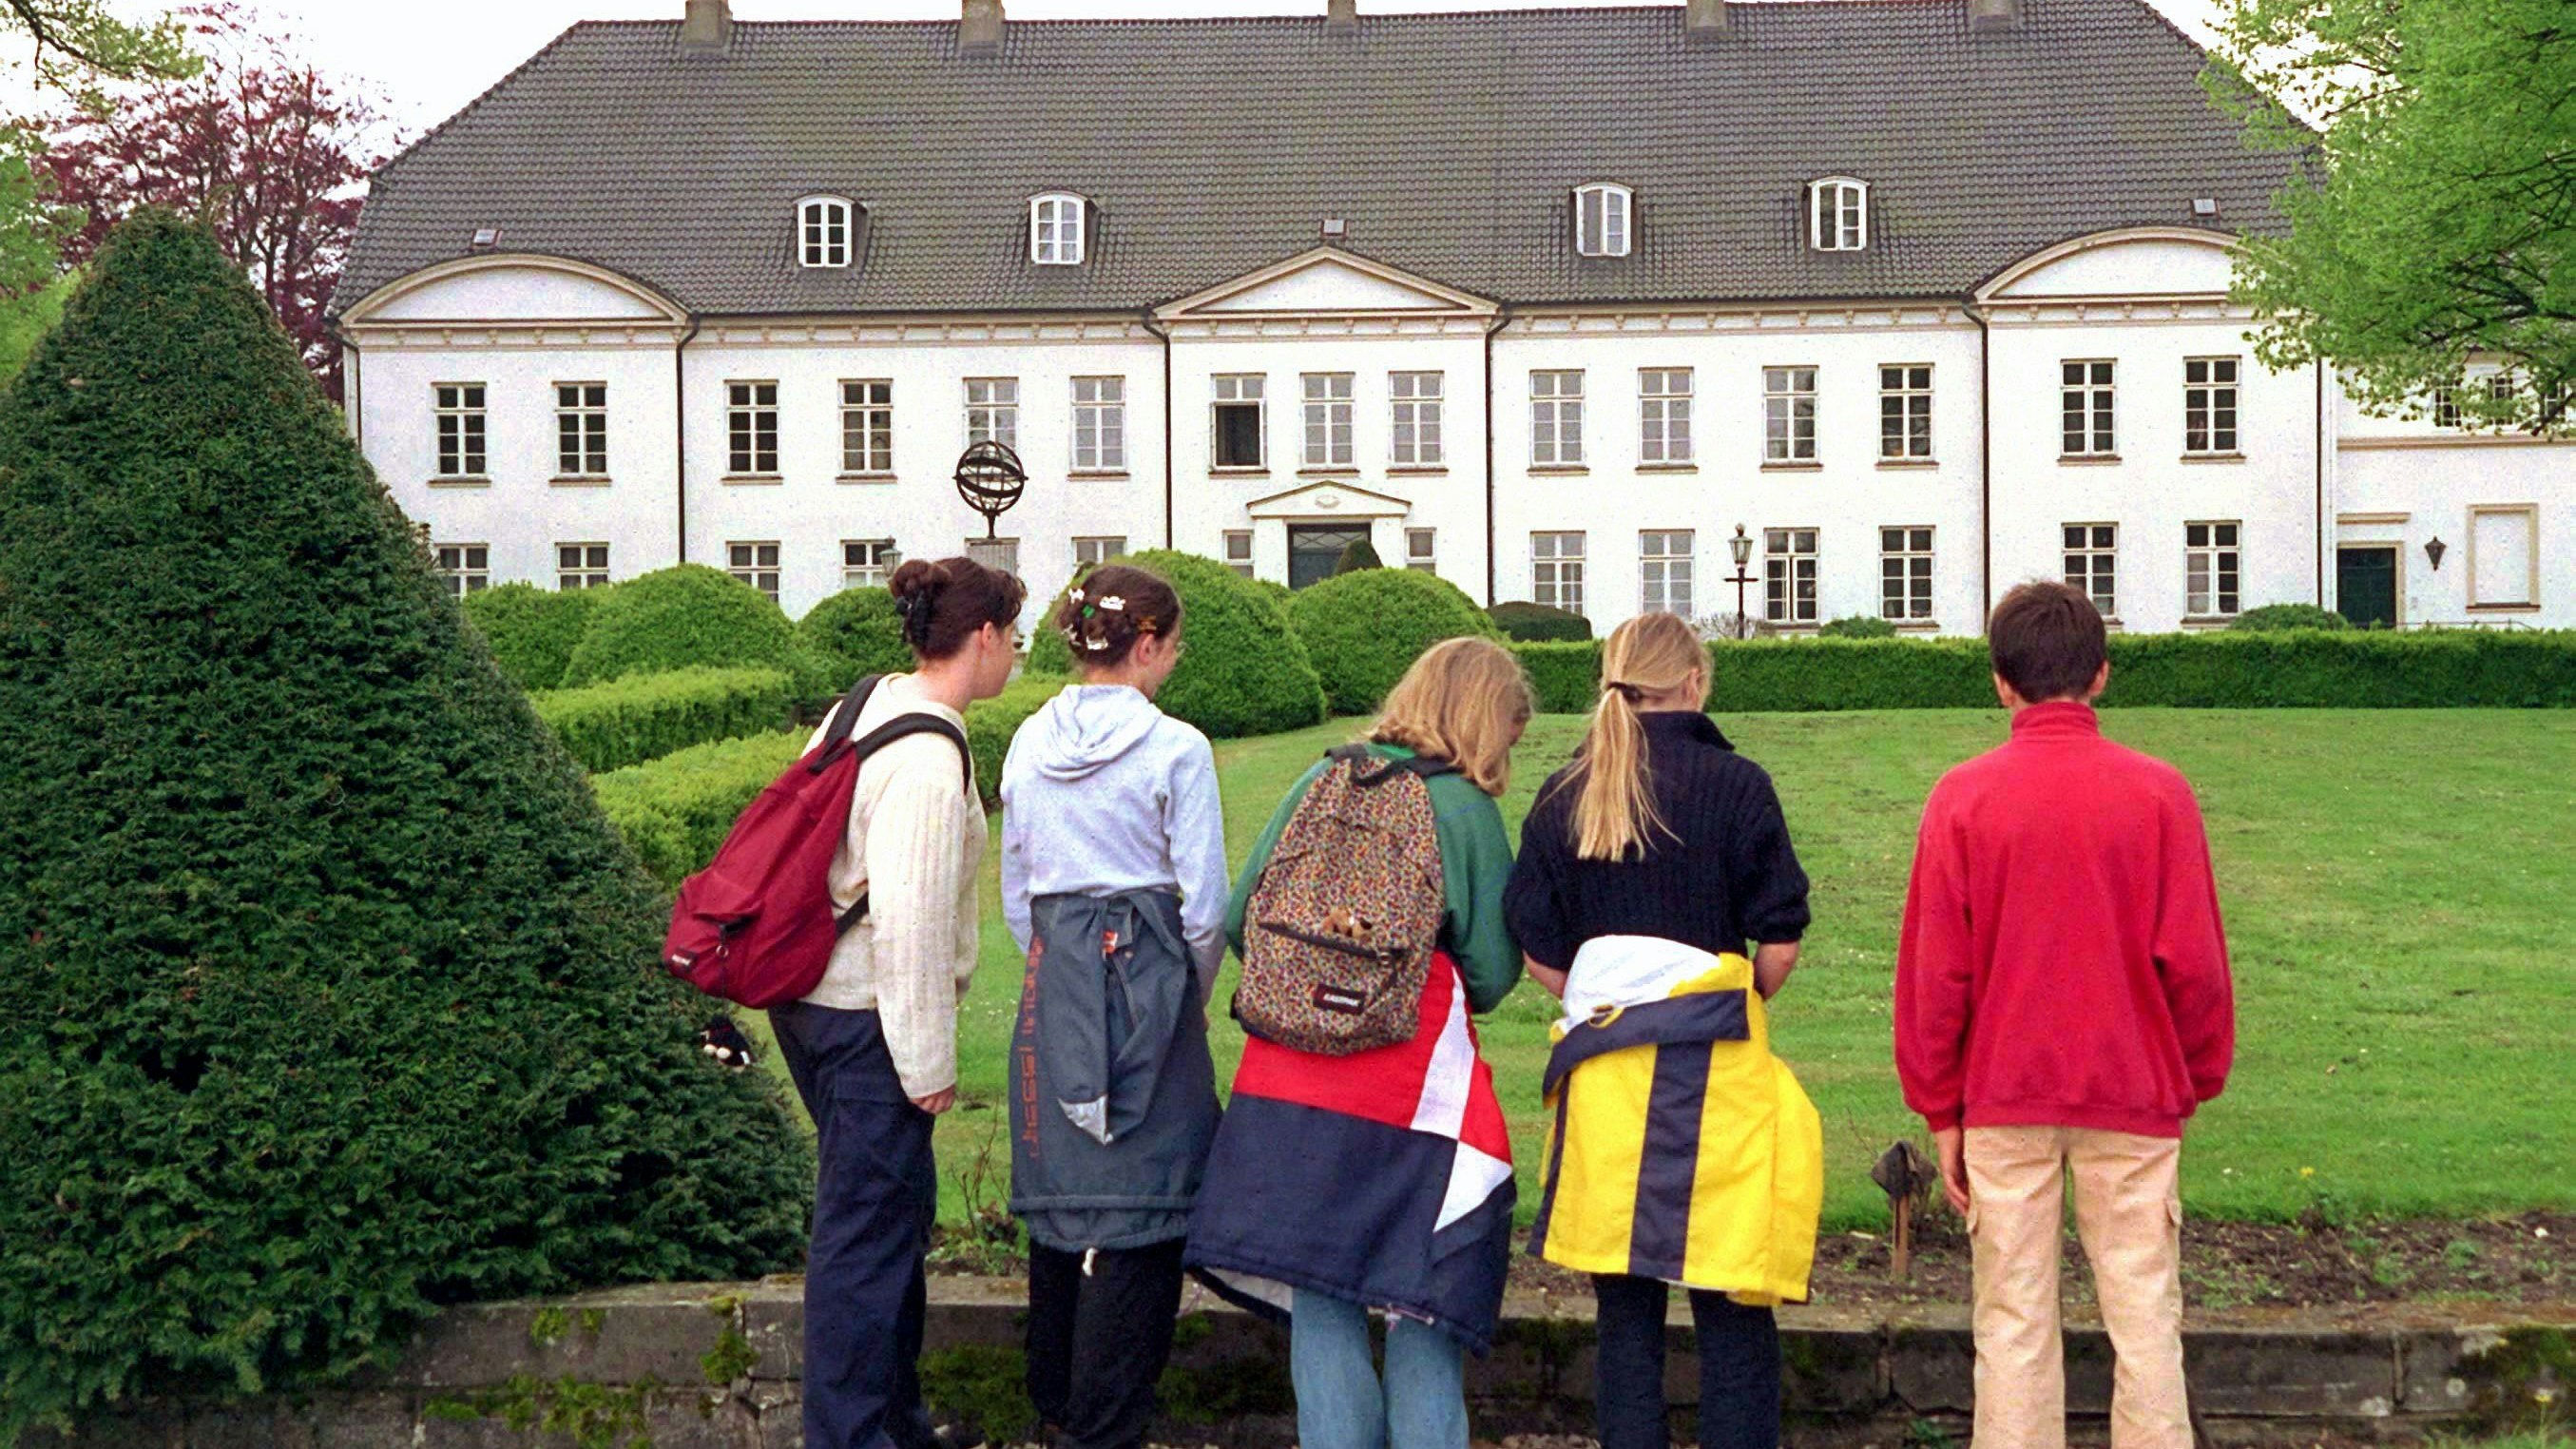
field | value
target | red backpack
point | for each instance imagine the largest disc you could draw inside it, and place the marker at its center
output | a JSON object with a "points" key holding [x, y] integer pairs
{"points": [[756, 927]]}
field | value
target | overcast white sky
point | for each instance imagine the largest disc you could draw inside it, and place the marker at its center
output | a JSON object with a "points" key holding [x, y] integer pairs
{"points": [[428, 60]]}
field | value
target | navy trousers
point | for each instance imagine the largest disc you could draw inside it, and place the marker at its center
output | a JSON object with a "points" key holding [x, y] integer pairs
{"points": [[1739, 1368], [875, 1198]]}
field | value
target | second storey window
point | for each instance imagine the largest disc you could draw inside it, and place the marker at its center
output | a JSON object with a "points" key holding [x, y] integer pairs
{"points": [[2093, 562], [1328, 419], [1556, 419], [2209, 405], [823, 231], [1664, 415], [1099, 424], [867, 426], [1789, 575], [1415, 415], [867, 563], [460, 429], [1601, 220], [1055, 230], [1556, 571], [1664, 572], [993, 411], [1905, 574], [1788, 415], [581, 429], [1238, 422], [2446, 407], [751, 428], [581, 566], [2084, 409], [2211, 572], [755, 564], [1905, 411]]}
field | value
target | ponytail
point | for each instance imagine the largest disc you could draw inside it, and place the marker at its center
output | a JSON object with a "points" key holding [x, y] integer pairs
{"points": [[1614, 808]]}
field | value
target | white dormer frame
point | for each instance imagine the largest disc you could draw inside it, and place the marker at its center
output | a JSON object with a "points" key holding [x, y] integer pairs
{"points": [[1605, 219], [1838, 214], [827, 230], [1059, 223]]}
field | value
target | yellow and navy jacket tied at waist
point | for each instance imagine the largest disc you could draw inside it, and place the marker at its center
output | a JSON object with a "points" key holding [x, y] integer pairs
{"points": [[1682, 1149]]}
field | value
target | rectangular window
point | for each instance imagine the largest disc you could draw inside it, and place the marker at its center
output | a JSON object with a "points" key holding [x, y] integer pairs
{"points": [[1089, 551], [1788, 414], [1664, 415], [1421, 550], [1905, 411], [867, 426], [1556, 571], [751, 428], [2504, 559], [2446, 407], [460, 429], [1238, 550], [2084, 409], [1905, 574], [1100, 424], [1664, 572], [867, 563], [1238, 421], [581, 429], [1415, 407], [468, 566], [2210, 569], [996, 553], [1789, 575], [993, 411], [1328, 419], [2092, 563], [581, 566], [2209, 405], [1556, 419], [755, 564]]}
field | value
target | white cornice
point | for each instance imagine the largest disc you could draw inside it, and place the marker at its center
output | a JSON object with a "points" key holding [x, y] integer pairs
{"points": [[508, 336], [1439, 299], [922, 331], [362, 313], [2164, 308], [1749, 318], [1336, 328]]}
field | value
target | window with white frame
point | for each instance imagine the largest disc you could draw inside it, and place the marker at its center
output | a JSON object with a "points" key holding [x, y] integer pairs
{"points": [[2093, 563], [1556, 571], [1236, 416], [1838, 214], [1664, 572], [993, 411], [1904, 411], [823, 231], [2501, 387], [867, 427], [2209, 405], [1788, 415], [1328, 419], [868, 563], [751, 428], [581, 429], [1664, 415], [2504, 556], [1055, 230], [1414, 412], [1238, 550], [1089, 551], [996, 553], [2446, 407], [466, 566], [1100, 424], [1556, 419], [1421, 550], [1789, 575], [581, 566], [1602, 213], [2211, 569], [1905, 574], [2084, 407], [459, 406], [755, 564]]}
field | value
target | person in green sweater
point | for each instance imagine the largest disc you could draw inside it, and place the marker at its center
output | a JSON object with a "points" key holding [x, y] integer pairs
{"points": [[1405, 1141]]}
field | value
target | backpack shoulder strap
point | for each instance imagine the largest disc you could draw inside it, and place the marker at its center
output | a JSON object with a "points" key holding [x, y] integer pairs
{"points": [[845, 719], [1368, 771], [900, 727]]}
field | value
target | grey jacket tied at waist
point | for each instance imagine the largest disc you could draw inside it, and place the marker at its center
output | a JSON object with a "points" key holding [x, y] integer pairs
{"points": [[1113, 1089]]}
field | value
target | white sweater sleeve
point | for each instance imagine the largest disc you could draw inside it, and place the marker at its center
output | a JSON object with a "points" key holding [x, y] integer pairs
{"points": [[916, 866], [1194, 823]]}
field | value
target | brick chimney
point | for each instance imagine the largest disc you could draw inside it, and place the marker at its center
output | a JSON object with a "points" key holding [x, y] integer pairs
{"points": [[1341, 17], [708, 26], [1986, 15], [979, 27], [1706, 21]]}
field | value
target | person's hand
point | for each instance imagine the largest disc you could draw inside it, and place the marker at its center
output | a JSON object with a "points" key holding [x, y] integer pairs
{"points": [[1549, 978], [1951, 1143], [937, 1102]]}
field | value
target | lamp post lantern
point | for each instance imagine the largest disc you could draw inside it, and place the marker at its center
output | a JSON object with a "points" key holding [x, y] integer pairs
{"points": [[1742, 546]]}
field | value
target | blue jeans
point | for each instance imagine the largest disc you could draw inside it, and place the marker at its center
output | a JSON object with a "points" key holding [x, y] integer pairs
{"points": [[1340, 1405]]}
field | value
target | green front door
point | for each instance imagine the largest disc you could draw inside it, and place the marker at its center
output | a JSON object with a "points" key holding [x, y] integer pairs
{"points": [[1315, 550], [2366, 586]]}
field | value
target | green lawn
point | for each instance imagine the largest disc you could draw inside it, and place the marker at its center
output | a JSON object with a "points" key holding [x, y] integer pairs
{"points": [[2397, 887]]}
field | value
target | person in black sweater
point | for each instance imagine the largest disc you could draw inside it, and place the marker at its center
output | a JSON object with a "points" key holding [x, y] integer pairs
{"points": [[1660, 830]]}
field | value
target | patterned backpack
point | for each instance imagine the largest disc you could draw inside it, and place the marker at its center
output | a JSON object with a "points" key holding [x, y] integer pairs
{"points": [[1340, 934]]}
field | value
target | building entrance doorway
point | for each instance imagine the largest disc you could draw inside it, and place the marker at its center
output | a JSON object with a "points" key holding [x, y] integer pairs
{"points": [[1315, 550], [2366, 585]]}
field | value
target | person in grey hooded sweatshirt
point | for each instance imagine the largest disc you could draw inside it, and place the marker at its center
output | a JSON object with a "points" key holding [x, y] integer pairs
{"points": [[1114, 886]]}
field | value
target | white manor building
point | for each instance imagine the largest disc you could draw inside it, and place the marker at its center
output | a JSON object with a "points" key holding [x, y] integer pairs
{"points": [[1926, 296]]}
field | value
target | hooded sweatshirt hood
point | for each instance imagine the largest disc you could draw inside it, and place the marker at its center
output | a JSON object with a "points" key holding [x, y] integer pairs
{"points": [[1088, 728]]}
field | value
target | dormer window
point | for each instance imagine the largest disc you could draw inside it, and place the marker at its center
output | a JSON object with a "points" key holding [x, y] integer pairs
{"points": [[823, 231], [1601, 219], [1838, 214], [1055, 230]]}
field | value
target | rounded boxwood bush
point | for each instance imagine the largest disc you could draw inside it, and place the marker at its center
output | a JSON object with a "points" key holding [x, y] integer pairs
{"points": [[2270, 618], [680, 617], [1526, 623], [1857, 626], [532, 631], [858, 631], [327, 993], [1363, 630], [1245, 673]]}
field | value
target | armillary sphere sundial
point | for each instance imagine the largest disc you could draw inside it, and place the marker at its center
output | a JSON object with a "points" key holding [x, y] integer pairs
{"points": [[991, 480]]}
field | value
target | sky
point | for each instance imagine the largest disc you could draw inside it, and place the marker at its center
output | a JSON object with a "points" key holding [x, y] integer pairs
{"points": [[426, 61]]}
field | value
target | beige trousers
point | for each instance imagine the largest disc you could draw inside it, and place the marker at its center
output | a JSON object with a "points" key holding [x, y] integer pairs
{"points": [[2128, 1213]]}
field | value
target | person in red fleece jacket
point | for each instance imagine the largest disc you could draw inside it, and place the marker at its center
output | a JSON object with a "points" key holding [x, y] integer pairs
{"points": [[2062, 1006]]}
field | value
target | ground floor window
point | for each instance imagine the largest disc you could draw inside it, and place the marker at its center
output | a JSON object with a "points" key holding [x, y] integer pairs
{"points": [[2210, 569], [1421, 550], [581, 566], [1238, 550], [1089, 551], [1315, 550], [868, 563], [2092, 563], [1556, 571], [1905, 574], [468, 566], [996, 553], [1664, 572], [1789, 575], [755, 564]]}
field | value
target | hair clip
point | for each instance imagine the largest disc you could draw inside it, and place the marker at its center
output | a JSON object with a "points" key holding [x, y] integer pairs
{"points": [[1114, 604], [1075, 595], [1096, 645]]}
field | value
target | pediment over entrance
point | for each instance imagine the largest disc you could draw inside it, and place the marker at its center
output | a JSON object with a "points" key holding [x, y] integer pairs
{"points": [[1329, 499], [1328, 281]]}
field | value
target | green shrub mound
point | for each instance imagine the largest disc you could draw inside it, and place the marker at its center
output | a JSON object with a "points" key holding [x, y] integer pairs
{"points": [[2271, 618], [1245, 672], [1364, 630], [1528, 623], [532, 631], [645, 716], [1566, 676], [858, 632], [1361, 554], [678, 617], [1857, 626], [327, 994]]}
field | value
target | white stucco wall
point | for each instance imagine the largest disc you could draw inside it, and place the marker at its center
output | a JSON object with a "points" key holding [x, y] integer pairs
{"points": [[2404, 481]]}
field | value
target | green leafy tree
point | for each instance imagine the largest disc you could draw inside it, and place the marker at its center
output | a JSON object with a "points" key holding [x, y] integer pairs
{"points": [[2434, 221], [327, 993], [77, 43]]}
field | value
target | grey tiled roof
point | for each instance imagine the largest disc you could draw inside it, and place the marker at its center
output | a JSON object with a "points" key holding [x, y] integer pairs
{"points": [[1212, 147]]}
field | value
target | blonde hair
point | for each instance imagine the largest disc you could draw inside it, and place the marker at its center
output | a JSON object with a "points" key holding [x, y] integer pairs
{"points": [[1464, 701], [1614, 811]]}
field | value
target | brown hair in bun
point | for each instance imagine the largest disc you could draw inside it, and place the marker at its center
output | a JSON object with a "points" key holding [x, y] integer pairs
{"points": [[1108, 609], [942, 603]]}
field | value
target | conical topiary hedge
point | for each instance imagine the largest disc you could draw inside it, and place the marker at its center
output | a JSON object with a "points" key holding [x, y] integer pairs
{"points": [[327, 994]]}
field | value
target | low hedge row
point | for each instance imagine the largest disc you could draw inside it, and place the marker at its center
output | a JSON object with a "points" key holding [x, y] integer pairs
{"points": [[640, 717]]}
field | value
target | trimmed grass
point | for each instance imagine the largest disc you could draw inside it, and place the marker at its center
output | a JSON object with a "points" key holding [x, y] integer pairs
{"points": [[2397, 889]]}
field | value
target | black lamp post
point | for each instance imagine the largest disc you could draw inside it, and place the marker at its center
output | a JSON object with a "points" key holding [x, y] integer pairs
{"points": [[1742, 545]]}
